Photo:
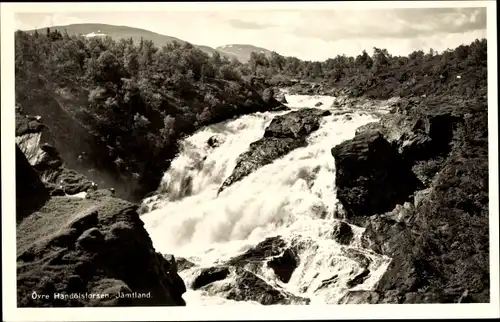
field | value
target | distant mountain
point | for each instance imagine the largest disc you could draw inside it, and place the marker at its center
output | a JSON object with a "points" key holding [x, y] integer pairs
{"points": [[242, 52], [120, 32]]}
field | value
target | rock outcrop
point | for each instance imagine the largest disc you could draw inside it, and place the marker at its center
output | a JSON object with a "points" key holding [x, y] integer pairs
{"points": [[435, 228], [280, 97], [31, 193], [243, 285], [285, 133], [44, 158], [72, 249], [210, 275], [238, 278], [273, 252], [342, 233], [84, 250], [371, 176], [309, 88]]}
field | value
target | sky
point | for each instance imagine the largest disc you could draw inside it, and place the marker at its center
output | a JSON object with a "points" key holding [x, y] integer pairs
{"points": [[306, 34]]}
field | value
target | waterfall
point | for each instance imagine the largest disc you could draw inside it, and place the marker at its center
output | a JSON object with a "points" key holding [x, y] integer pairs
{"points": [[293, 197]]}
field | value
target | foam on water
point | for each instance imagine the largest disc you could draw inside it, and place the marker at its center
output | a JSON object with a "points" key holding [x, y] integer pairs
{"points": [[293, 197], [298, 101]]}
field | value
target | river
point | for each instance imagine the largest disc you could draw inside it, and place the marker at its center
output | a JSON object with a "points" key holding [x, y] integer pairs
{"points": [[293, 197]]}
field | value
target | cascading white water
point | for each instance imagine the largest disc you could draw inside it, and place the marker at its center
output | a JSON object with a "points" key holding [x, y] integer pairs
{"points": [[293, 197]]}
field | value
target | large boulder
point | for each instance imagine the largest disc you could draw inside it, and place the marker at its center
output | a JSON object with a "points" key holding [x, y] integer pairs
{"points": [[269, 247], [280, 97], [274, 252], [87, 246], [214, 141], [296, 124], [342, 233], [371, 175], [285, 133], [210, 275]]}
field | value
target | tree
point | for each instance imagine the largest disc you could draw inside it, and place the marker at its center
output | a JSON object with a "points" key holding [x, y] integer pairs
{"points": [[257, 60], [380, 57], [277, 61], [364, 60], [108, 68], [131, 61]]}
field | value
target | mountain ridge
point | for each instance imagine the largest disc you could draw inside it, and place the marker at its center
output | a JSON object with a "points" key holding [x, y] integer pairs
{"points": [[243, 51], [124, 32]]}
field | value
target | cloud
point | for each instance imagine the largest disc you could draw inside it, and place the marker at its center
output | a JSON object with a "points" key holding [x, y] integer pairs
{"points": [[242, 24], [389, 23], [27, 21]]}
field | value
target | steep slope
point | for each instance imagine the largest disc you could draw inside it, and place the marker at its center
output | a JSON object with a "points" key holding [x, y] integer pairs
{"points": [[242, 52], [82, 250]]}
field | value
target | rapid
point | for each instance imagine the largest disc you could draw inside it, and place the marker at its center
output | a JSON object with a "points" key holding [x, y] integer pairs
{"points": [[293, 197]]}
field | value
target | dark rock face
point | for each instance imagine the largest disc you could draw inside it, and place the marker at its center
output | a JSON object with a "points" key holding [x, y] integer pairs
{"points": [[31, 193], [280, 257], [210, 275], [358, 279], [71, 182], [285, 133], [270, 247], [372, 126], [268, 94], [92, 246], [342, 233], [379, 232], [183, 264], [214, 141], [284, 265], [371, 176], [438, 242], [260, 153]]}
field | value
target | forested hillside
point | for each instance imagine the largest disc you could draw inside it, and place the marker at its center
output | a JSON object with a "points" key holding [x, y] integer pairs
{"points": [[120, 107], [382, 75]]}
